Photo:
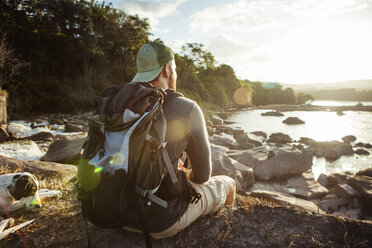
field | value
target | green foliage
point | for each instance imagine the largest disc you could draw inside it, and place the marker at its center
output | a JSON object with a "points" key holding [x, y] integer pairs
{"points": [[276, 95], [75, 49], [302, 98]]}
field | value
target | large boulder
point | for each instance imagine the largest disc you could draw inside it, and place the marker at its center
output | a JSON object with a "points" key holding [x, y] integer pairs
{"points": [[330, 205], [260, 133], [348, 138], [293, 121], [64, 151], [279, 138], [344, 190], [223, 165], [286, 199], [41, 169], [250, 157], [361, 151], [47, 136], [216, 120], [272, 113], [284, 164], [304, 186], [220, 149], [71, 127], [223, 140], [243, 139]]}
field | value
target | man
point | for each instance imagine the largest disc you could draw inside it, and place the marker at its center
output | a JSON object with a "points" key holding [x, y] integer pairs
{"points": [[186, 131]]}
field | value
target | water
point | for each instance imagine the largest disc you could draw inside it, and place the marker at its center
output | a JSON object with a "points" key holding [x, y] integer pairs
{"points": [[320, 126]]}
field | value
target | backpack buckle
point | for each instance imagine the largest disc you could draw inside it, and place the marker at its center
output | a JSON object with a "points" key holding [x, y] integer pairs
{"points": [[161, 145]]}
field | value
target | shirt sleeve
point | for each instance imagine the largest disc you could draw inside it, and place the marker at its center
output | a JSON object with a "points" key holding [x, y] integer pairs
{"points": [[198, 148]]}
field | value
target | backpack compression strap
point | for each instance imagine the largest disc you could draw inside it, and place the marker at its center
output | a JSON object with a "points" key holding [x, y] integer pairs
{"points": [[165, 155]]}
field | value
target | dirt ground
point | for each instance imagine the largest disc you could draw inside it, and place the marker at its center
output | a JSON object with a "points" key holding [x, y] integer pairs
{"points": [[250, 223]]}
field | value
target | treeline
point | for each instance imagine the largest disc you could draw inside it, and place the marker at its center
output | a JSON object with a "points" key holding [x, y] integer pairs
{"points": [[69, 51], [73, 49], [342, 95]]}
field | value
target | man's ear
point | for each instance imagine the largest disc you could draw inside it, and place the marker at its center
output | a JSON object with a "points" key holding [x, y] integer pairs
{"points": [[167, 70]]}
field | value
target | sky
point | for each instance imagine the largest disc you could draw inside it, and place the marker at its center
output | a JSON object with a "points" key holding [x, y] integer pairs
{"points": [[285, 41]]}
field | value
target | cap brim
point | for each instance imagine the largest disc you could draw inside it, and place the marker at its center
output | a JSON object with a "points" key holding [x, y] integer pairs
{"points": [[147, 76]]}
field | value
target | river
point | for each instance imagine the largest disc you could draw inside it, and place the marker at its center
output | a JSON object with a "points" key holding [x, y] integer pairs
{"points": [[320, 126]]}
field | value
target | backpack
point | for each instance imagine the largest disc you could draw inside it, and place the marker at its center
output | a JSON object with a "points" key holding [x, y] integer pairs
{"points": [[124, 159]]}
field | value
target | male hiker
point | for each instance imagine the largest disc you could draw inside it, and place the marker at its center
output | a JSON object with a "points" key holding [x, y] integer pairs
{"points": [[186, 131]]}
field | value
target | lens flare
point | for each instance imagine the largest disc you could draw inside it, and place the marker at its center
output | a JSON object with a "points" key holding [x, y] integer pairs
{"points": [[98, 169], [243, 96], [117, 160]]}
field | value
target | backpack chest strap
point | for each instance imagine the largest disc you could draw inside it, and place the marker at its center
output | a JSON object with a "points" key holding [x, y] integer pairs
{"points": [[149, 194]]}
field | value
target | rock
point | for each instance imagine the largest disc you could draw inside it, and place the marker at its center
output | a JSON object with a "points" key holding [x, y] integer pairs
{"points": [[243, 146], [331, 196], [349, 138], [69, 127], [368, 145], [56, 122], [284, 164], [223, 140], [323, 180], [331, 205], [3, 134], [331, 154], [361, 151], [360, 144], [216, 120], [271, 154], [347, 149], [337, 178], [272, 113], [41, 136], [223, 165], [220, 149], [260, 133], [293, 121], [242, 139], [279, 138], [307, 141], [42, 169], [246, 172], [319, 153], [282, 198], [250, 157], [344, 190], [305, 187], [64, 151], [364, 186], [366, 172]]}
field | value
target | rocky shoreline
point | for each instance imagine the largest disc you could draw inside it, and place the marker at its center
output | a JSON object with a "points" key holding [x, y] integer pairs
{"points": [[268, 169], [278, 168]]}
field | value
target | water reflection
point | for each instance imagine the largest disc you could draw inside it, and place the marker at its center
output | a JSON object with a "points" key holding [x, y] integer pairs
{"points": [[319, 125]]}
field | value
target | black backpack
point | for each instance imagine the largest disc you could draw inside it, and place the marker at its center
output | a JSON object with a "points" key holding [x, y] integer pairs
{"points": [[124, 159]]}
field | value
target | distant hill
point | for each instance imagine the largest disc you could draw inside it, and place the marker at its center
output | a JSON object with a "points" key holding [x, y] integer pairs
{"points": [[352, 84]]}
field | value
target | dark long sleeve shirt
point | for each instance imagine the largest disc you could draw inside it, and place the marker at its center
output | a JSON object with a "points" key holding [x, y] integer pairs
{"points": [[186, 131]]}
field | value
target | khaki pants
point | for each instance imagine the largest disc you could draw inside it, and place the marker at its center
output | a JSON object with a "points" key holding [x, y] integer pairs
{"points": [[214, 193]]}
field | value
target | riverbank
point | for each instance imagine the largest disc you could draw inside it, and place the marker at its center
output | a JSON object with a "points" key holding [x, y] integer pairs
{"points": [[271, 196]]}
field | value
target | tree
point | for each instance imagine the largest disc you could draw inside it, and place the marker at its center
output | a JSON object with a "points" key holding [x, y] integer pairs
{"points": [[9, 64]]}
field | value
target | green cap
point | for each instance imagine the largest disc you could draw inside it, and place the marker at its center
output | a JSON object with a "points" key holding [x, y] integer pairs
{"points": [[150, 61]]}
